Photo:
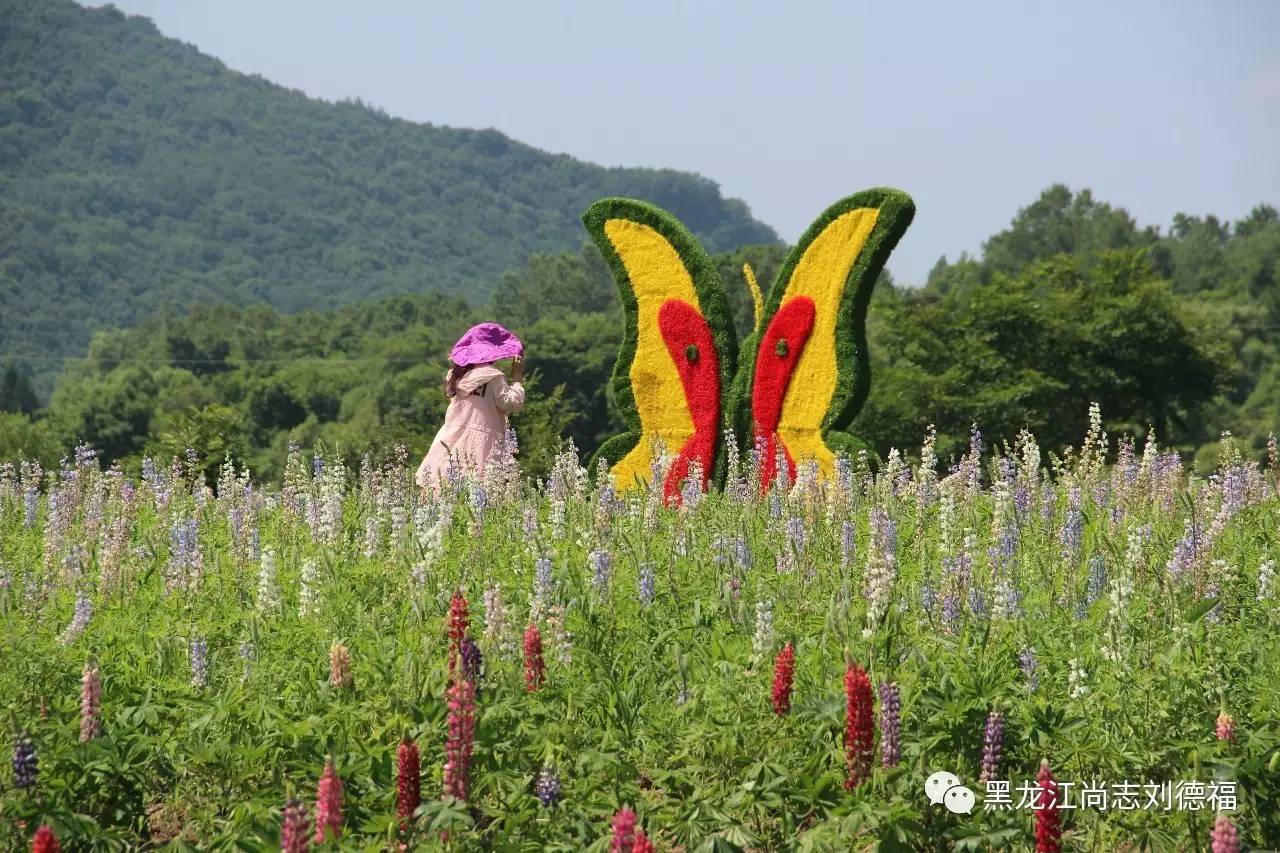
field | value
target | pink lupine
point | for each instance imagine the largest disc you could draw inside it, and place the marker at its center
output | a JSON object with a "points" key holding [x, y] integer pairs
{"points": [[90, 703], [339, 666], [458, 624], [408, 781], [295, 830], [1225, 728], [328, 804], [461, 736], [624, 831], [1224, 837], [535, 669]]}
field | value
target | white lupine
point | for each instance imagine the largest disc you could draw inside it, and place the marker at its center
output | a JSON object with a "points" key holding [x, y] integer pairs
{"points": [[1266, 579], [268, 594], [762, 639], [1076, 677], [307, 589]]}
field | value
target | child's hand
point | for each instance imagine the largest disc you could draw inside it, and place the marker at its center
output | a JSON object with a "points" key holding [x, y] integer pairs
{"points": [[517, 368]]}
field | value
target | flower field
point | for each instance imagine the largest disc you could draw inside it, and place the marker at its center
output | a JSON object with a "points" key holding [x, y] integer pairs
{"points": [[339, 662]]}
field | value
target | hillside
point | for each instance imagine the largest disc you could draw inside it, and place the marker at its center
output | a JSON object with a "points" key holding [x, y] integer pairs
{"points": [[139, 174]]}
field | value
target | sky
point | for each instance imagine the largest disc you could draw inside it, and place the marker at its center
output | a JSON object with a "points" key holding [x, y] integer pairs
{"points": [[1158, 106]]}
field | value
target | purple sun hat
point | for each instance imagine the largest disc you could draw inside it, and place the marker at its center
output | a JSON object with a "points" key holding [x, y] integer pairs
{"points": [[484, 343]]}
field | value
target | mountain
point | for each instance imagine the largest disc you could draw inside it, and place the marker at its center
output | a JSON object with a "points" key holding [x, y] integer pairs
{"points": [[139, 174]]}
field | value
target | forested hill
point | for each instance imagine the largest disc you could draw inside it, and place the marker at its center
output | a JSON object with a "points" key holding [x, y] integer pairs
{"points": [[138, 173]]}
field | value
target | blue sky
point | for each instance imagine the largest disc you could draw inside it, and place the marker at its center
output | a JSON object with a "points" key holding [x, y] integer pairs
{"points": [[973, 108]]}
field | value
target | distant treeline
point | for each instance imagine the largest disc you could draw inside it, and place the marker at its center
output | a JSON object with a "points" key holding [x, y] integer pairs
{"points": [[1071, 304], [137, 174]]}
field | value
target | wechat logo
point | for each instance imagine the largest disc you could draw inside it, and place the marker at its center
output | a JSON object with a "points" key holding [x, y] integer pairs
{"points": [[944, 788]]}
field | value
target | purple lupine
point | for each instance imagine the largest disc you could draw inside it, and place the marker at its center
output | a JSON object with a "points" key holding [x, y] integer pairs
{"points": [[79, 620], [992, 745], [543, 582], [601, 561], [647, 585], [547, 786], [890, 725], [1028, 663], [26, 765], [1097, 579], [847, 544], [472, 660], [797, 534], [199, 663]]}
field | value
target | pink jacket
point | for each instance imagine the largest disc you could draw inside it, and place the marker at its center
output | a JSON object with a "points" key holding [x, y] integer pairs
{"points": [[474, 425]]}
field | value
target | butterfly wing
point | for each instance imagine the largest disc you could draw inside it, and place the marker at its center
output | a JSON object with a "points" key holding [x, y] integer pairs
{"points": [[679, 347], [805, 373]]}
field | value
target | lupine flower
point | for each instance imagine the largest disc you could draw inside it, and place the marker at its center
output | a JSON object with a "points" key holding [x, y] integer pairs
{"points": [[1266, 579], [458, 623], [542, 579], [45, 840], [601, 570], [328, 804], [472, 660], [295, 831], [79, 621], [247, 655], [859, 733], [199, 663], [762, 639], [646, 585], [643, 844], [624, 831], [339, 666], [497, 633], [460, 739], [547, 787], [1028, 663], [992, 745], [535, 669], [1224, 837], [783, 673], [1048, 815], [90, 703], [1226, 727], [307, 589], [268, 594], [1097, 579], [26, 766], [408, 780], [890, 725]]}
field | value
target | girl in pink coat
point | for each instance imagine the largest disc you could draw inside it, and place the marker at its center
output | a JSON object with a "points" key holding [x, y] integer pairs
{"points": [[480, 398]]}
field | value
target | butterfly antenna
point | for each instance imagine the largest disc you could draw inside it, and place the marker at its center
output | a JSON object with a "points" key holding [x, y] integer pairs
{"points": [[757, 299]]}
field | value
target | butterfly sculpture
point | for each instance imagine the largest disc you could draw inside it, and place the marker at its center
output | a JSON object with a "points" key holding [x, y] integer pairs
{"points": [[803, 373]]}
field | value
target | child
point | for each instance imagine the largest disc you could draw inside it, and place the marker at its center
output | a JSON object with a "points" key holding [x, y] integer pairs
{"points": [[480, 398]]}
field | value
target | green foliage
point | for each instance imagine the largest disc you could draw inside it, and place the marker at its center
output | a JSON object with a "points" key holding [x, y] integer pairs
{"points": [[1031, 351], [141, 174]]}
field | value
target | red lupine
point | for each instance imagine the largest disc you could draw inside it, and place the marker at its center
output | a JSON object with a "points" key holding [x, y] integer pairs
{"points": [[1048, 814], [408, 781], [328, 804], [1225, 729], [624, 831], [339, 666], [458, 624], [859, 729], [461, 736], [643, 844], [535, 669], [45, 841], [784, 668]]}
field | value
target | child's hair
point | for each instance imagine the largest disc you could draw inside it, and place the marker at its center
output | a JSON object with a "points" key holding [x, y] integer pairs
{"points": [[456, 372]]}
